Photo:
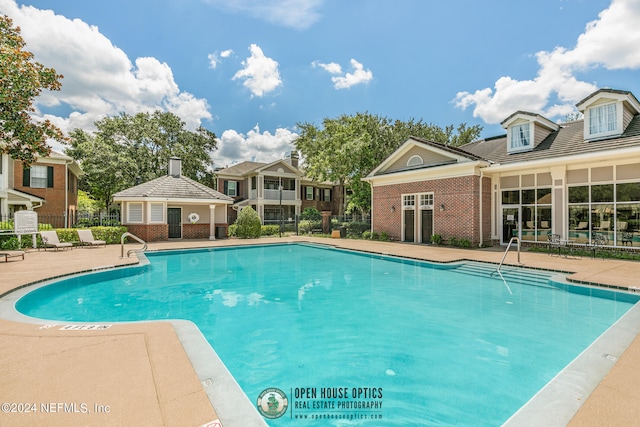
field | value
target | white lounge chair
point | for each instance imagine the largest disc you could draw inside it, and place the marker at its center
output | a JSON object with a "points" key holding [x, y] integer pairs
{"points": [[86, 238], [11, 254], [50, 240]]}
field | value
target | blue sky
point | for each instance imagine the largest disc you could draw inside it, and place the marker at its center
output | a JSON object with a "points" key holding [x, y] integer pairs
{"points": [[250, 72]]}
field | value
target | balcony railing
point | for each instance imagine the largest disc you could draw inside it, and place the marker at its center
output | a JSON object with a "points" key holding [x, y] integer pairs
{"points": [[274, 194]]}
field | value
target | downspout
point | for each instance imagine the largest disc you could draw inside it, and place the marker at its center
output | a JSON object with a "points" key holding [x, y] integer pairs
{"points": [[480, 227], [66, 194]]}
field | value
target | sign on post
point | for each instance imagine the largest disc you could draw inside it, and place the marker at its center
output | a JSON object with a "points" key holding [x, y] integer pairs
{"points": [[25, 222]]}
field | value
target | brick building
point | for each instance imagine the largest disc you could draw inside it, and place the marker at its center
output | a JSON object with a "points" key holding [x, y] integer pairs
{"points": [[579, 180], [174, 207], [49, 186]]}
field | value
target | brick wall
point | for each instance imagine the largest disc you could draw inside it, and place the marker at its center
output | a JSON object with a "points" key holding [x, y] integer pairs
{"points": [[150, 232], [55, 196], [195, 231], [460, 217]]}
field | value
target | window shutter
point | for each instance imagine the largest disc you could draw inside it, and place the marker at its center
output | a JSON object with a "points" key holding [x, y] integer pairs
{"points": [[50, 176], [26, 177], [226, 187]]}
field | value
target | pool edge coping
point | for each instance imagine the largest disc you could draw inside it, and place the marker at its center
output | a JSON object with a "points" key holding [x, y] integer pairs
{"points": [[142, 259]]}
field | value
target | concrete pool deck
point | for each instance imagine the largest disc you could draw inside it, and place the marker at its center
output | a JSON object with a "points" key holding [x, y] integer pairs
{"points": [[140, 374]]}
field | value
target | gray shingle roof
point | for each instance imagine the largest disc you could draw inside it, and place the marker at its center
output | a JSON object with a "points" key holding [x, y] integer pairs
{"points": [[241, 169], [172, 187], [567, 141]]}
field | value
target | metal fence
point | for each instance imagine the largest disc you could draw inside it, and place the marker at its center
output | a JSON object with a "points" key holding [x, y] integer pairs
{"points": [[350, 225], [60, 221]]}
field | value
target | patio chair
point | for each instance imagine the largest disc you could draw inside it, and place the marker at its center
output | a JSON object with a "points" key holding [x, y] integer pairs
{"points": [[50, 240], [582, 225], [11, 254], [598, 241], [627, 237], [554, 243], [86, 239]]}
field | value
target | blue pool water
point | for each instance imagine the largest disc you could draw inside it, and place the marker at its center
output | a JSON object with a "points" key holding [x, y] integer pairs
{"points": [[428, 343]]}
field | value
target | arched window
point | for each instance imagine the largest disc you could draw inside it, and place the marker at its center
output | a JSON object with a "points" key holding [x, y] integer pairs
{"points": [[415, 161]]}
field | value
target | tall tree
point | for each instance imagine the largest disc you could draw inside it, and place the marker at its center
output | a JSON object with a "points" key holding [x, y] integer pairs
{"points": [[127, 149], [21, 80], [347, 148]]}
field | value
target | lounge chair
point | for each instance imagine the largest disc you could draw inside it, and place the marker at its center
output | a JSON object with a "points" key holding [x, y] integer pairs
{"points": [[86, 238], [50, 240], [604, 226], [11, 254], [544, 224], [582, 225]]}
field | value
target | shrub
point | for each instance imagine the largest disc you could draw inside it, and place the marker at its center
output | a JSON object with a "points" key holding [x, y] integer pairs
{"points": [[233, 230], [384, 236], [453, 241], [111, 235], [436, 239], [308, 226], [249, 224], [366, 235], [311, 213], [270, 230], [355, 229], [375, 235], [465, 243]]}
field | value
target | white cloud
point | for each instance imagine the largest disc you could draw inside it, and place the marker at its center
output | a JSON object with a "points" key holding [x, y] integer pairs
{"points": [[610, 42], [298, 14], [99, 79], [215, 58], [234, 147], [331, 67], [359, 75], [260, 73]]}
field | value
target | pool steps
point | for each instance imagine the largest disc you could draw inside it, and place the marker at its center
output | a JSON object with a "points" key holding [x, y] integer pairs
{"points": [[511, 275]]}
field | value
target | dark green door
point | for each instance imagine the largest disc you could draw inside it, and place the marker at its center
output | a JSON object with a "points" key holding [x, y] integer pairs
{"points": [[409, 221], [174, 218], [427, 225]]}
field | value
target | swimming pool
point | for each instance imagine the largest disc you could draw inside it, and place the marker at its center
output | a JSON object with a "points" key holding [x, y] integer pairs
{"points": [[440, 346]]}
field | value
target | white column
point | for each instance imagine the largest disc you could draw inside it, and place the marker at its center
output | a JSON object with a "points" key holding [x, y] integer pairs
{"points": [[212, 222]]}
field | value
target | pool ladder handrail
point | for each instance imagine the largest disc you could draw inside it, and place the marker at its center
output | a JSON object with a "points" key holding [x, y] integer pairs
{"points": [[505, 254], [130, 251]]}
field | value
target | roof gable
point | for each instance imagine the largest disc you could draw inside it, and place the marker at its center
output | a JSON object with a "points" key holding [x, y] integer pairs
{"points": [[279, 166], [609, 95], [418, 153]]}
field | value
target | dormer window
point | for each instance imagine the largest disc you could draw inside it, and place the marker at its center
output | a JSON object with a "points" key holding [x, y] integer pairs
{"points": [[607, 113], [520, 137], [603, 120], [526, 130]]}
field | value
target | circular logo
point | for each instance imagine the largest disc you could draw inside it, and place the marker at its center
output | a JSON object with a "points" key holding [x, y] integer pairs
{"points": [[272, 403]]}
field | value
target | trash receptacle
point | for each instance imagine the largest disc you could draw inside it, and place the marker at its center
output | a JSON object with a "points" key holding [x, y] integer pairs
{"points": [[343, 232], [221, 232]]}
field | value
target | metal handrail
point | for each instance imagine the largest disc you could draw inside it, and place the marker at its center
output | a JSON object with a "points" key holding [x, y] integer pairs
{"points": [[130, 251], [505, 254]]}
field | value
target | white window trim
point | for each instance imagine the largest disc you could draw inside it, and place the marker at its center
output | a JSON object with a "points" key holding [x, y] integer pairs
{"points": [[425, 205], [306, 193], [33, 175], [600, 135], [407, 198], [527, 147], [415, 160], [129, 220], [163, 210], [235, 188]]}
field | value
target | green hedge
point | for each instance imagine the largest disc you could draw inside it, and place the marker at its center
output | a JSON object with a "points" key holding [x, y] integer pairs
{"points": [[111, 235], [270, 230]]}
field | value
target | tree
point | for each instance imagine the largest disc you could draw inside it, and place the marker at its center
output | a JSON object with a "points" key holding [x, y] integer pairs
{"points": [[348, 148], [248, 224], [128, 149], [21, 81]]}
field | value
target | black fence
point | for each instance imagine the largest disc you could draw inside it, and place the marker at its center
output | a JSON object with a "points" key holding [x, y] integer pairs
{"points": [[349, 225], [61, 221]]}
